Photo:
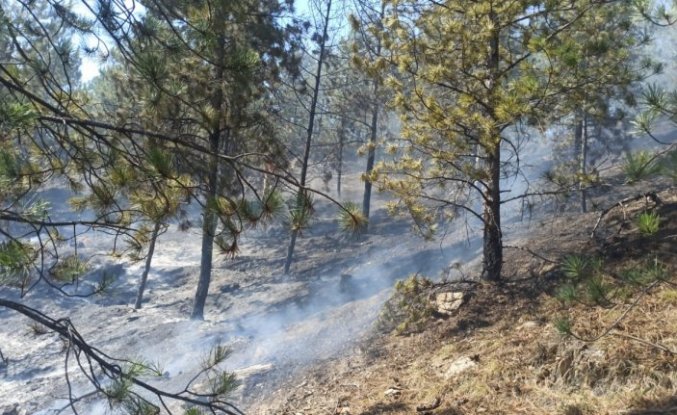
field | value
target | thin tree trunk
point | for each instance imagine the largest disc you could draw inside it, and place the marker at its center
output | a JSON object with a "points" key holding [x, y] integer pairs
{"points": [[578, 151], [146, 269], [583, 165], [366, 201], [339, 167], [218, 136], [309, 137], [208, 232], [493, 239]]}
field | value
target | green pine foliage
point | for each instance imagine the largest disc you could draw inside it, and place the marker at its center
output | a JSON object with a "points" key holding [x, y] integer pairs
{"points": [[409, 308], [352, 219], [462, 74], [69, 269], [648, 223], [640, 166], [16, 262]]}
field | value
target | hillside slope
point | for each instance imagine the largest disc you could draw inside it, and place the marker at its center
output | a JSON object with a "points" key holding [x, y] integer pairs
{"points": [[546, 341]]}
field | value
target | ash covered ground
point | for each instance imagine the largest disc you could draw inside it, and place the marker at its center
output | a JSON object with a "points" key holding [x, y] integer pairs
{"points": [[273, 323]]}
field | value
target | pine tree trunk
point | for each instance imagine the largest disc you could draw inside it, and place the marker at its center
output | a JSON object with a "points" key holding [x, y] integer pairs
{"points": [[146, 269], [290, 251], [339, 162], [492, 237], [583, 165], [579, 120], [208, 233], [219, 136], [366, 201], [309, 136], [493, 240]]}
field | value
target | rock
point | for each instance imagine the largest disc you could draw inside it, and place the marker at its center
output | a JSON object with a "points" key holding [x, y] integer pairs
{"points": [[460, 365], [527, 325], [447, 302], [393, 392]]}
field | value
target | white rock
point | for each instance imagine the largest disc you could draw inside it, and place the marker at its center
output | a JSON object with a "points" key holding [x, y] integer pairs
{"points": [[447, 302], [458, 366]]}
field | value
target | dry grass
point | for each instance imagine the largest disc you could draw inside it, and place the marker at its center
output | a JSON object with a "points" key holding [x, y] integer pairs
{"points": [[522, 364]]}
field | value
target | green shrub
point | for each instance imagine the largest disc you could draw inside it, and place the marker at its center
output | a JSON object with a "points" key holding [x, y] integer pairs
{"points": [[563, 325], [648, 223], [645, 273], [640, 165], [409, 308], [567, 294], [576, 267], [597, 290], [69, 269], [351, 219], [16, 259]]}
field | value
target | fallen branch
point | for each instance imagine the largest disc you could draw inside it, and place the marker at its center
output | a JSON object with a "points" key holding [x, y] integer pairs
{"points": [[621, 317], [646, 342], [647, 196], [521, 248], [110, 367]]}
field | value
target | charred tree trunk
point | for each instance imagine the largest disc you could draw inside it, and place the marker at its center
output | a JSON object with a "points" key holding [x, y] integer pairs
{"points": [[492, 237], [146, 269], [309, 136]]}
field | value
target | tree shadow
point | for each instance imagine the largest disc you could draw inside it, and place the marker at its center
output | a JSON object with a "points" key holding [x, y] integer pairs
{"points": [[662, 406], [384, 408]]}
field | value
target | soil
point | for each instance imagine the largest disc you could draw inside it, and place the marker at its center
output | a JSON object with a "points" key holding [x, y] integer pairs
{"points": [[303, 343]]}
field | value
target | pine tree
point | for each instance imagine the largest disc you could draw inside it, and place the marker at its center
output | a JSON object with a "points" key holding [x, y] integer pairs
{"points": [[302, 206], [466, 72]]}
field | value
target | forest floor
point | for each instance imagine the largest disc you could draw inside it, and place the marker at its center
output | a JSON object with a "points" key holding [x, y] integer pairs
{"points": [[308, 343], [504, 351], [273, 323]]}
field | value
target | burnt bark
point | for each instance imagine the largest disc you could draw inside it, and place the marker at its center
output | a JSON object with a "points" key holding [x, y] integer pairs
{"points": [[492, 235]]}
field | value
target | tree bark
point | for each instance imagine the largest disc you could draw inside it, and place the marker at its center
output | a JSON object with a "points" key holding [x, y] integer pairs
{"points": [[580, 150], [492, 237], [339, 162], [219, 136], [146, 269], [208, 232], [366, 201], [309, 136], [583, 165]]}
